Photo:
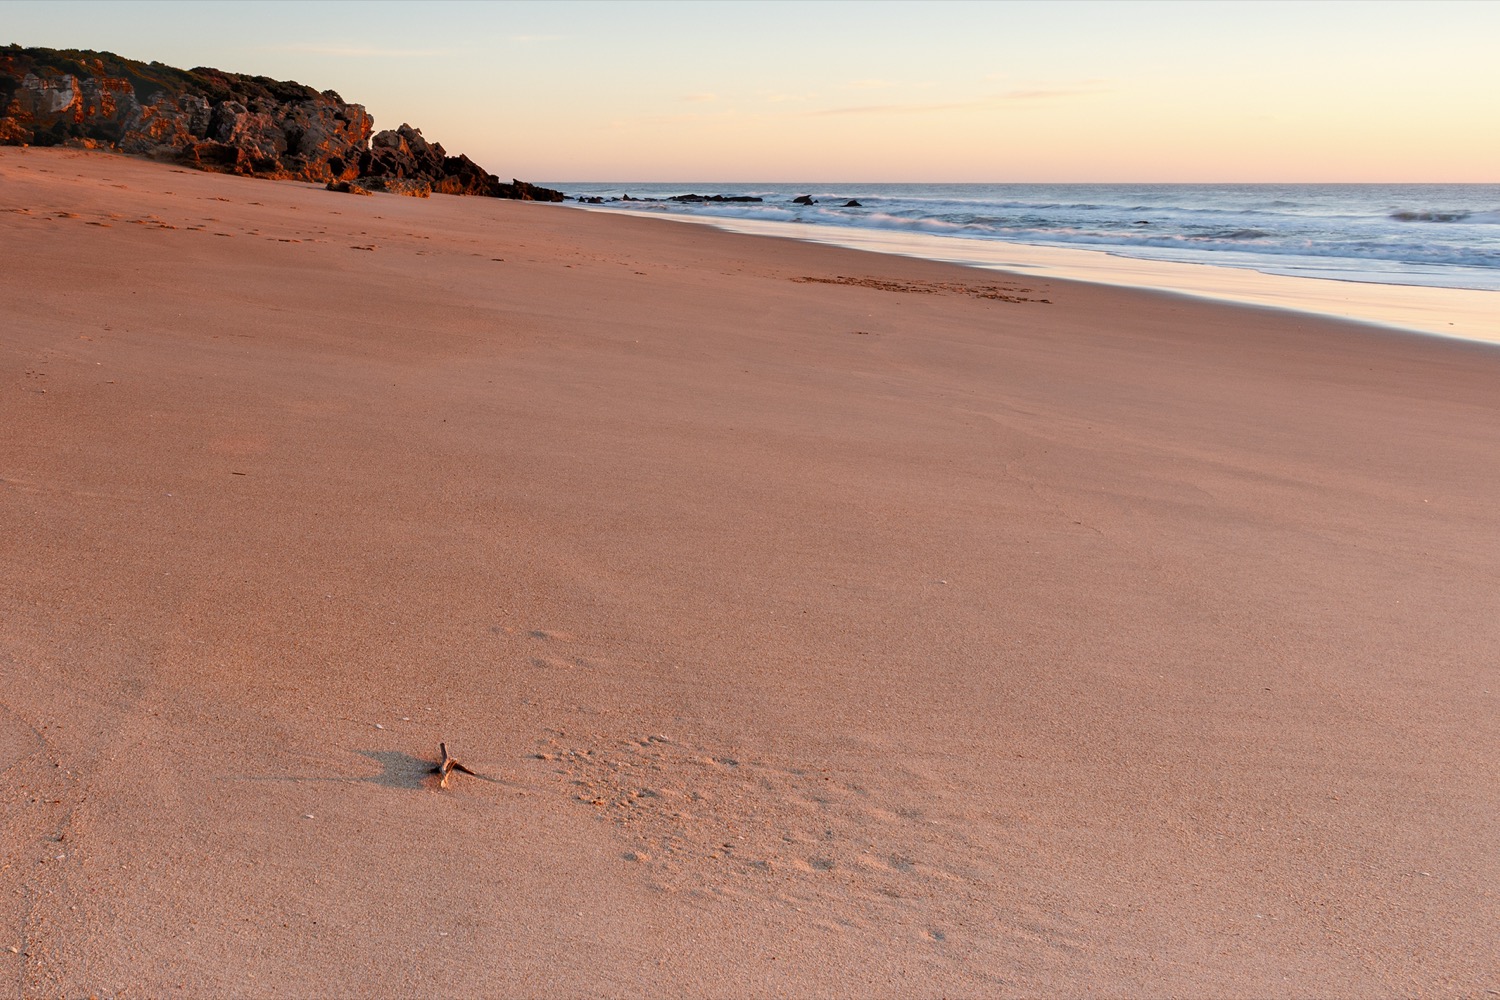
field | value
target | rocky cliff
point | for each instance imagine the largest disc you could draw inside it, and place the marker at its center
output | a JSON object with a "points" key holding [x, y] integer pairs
{"points": [[225, 122]]}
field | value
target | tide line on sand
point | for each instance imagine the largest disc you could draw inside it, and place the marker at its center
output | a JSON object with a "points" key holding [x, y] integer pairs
{"points": [[1467, 314]]}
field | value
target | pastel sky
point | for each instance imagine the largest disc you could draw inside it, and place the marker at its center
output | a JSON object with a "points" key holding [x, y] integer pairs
{"points": [[933, 91]]}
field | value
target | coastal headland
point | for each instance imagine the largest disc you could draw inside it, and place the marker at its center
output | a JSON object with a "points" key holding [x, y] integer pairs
{"points": [[233, 123], [815, 622]]}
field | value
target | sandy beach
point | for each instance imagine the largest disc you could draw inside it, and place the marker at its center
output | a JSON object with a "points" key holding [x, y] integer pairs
{"points": [[819, 623]]}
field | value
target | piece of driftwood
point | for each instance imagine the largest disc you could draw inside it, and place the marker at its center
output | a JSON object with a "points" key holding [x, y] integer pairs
{"points": [[447, 766]]}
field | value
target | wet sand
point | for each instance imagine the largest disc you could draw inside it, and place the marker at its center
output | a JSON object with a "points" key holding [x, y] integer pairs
{"points": [[819, 623], [1466, 313]]}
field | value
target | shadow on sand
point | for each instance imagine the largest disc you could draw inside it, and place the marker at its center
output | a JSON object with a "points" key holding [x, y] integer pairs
{"points": [[398, 770]]}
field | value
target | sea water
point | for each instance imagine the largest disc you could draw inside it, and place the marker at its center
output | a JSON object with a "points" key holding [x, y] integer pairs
{"points": [[1412, 236], [1443, 235]]}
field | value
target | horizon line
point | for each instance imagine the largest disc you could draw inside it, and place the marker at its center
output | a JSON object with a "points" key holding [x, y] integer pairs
{"points": [[1136, 183]]}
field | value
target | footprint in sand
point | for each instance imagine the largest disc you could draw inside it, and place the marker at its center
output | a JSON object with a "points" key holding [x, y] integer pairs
{"points": [[709, 816], [560, 663], [554, 660], [851, 852]]}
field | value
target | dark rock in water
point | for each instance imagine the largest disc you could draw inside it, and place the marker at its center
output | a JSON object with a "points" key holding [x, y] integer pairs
{"points": [[224, 122], [1141, 222], [851, 203], [804, 199], [699, 198]]}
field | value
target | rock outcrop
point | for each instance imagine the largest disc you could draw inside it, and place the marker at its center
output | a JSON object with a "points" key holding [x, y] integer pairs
{"points": [[225, 122], [402, 161]]}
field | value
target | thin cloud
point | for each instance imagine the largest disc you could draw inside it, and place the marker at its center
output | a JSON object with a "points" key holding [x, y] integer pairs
{"points": [[359, 51], [1096, 81], [694, 118], [1049, 94], [994, 102]]}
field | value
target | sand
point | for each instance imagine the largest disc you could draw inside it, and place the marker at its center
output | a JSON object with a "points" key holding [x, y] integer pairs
{"points": [[819, 623]]}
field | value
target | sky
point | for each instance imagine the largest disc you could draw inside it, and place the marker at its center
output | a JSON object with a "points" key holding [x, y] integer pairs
{"points": [[1021, 91]]}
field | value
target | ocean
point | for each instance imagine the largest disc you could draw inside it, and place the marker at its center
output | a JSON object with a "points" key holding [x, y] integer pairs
{"points": [[1433, 235]]}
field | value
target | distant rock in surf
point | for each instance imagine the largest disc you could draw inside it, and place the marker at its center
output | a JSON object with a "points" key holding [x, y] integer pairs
{"points": [[696, 198], [1410, 216], [681, 199], [804, 199]]}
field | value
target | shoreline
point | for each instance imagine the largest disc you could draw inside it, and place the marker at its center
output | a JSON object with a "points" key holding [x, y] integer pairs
{"points": [[816, 622], [1464, 314]]}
